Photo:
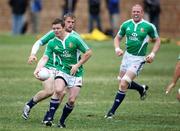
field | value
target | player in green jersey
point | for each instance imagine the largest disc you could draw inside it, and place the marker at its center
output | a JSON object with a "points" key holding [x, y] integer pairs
{"points": [[69, 19], [67, 47], [137, 31], [175, 79], [48, 85]]}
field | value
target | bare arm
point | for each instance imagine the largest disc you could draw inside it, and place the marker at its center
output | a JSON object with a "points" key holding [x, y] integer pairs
{"points": [[42, 62], [83, 60], [155, 49], [34, 50], [117, 41]]}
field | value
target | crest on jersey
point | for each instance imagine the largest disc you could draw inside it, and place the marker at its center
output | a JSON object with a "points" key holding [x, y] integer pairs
{"points": [[70, 45], [142, 30]]}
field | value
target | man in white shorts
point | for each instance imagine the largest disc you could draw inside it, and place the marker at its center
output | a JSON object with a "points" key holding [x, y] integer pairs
{"points": [[137, 31], [48, 84], [68, 47]]}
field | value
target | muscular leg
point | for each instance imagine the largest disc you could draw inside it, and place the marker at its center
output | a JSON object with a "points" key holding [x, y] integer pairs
{"points": [[54, 103], [46, 92], [175, 78], [178, 95], [123, 86], [73, 93], [41, 95], [135, 86]]}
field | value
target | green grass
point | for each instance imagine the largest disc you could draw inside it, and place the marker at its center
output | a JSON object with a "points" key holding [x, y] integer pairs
{"points": [[157, 112]]}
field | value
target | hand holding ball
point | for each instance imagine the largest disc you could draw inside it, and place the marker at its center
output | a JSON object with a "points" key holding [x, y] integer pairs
{"points": [[43, 74]]}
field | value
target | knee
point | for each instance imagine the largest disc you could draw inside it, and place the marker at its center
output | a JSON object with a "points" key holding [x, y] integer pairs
{"points": [[178, 95], [125, 82], [71, 101], [59, 92], [48, 92], [123, 86]]}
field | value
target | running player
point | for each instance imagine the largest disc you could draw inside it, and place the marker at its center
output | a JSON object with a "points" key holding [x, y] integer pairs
{"points": [[68, 48], [175, 79], [137, 31], [48, 84]]}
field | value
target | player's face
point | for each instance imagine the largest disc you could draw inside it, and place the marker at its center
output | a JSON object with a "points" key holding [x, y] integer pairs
{"points": [[137, 13], [69, 24], [58, 30]]}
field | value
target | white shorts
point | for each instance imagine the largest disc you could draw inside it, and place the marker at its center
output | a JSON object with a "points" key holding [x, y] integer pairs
{"points": [[132, 63], [71, 81], [52, 72]]}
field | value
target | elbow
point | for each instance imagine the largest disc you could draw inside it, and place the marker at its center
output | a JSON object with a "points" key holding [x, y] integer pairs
{"points": [[45, 58], [159, 42], [89, 52]]}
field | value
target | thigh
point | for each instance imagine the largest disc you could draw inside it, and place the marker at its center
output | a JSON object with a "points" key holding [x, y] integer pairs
{"points": [[59, 85], [177, 69], [60, 81], [48, 84], [74, 92], [135, 64]]}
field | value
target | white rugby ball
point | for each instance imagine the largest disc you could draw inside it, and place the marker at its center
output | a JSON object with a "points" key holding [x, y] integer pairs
{"points": [[44, 74]]}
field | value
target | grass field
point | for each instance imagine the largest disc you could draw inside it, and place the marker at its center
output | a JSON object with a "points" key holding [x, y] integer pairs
{"points": [[157, 112]]}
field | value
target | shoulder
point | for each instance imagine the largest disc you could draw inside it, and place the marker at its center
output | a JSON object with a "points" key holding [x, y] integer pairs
{"points": [[52, 42], [74, 36], [76, 39], [147, 23], [50, 33], [75, 33], [126, 23]]}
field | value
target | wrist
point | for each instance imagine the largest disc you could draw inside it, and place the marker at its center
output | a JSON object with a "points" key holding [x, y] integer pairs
{"points": [[152, 54], [33, 55], [117, 49]]}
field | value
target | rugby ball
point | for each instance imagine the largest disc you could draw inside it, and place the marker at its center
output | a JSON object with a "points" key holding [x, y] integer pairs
{"points": [[43, 74]]}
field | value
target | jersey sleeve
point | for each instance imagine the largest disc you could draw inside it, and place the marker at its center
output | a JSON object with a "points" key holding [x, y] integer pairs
{"points": [[82, 46], [48, 36], [122, 30], [49, 49], [153, 32]]}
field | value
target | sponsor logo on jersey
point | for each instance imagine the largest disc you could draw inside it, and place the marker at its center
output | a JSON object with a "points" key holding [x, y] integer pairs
{"points": [[133, 37], [66, 53]]}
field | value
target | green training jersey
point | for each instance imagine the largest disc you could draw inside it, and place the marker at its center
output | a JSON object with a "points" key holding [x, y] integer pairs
{"points": [[47, 37], [52, 62], [68, 52], [53, 59], [137, 36], [50, 35]]}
